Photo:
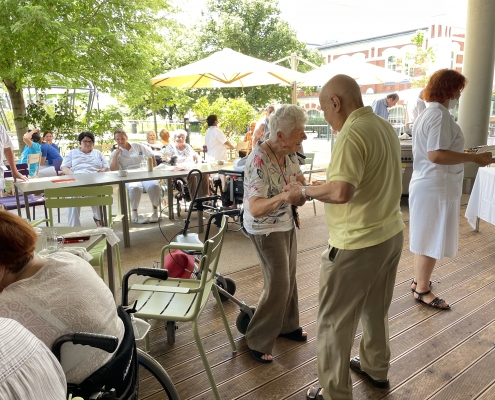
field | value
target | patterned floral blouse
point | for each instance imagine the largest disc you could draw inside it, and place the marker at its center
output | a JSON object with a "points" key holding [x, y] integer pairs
{"points": [[263, 178]]}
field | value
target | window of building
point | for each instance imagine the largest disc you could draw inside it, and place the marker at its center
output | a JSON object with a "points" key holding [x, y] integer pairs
{"points": [[392, 63]]}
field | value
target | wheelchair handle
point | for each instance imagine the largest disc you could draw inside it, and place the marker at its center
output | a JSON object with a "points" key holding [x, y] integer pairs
{"points": [[104, 342], [151, 272]]}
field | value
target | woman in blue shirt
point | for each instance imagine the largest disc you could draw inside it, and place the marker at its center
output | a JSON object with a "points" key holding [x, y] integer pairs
{"points": [[32, 139], [49, 150]]}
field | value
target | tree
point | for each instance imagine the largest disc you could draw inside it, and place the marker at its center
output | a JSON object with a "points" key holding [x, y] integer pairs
{"points": [[423, 58], [108, 43], [234, 115], [254, 28]]}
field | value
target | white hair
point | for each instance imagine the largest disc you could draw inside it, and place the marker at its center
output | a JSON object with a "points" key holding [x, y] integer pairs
{"points": [[179, 132], [285, 120]]}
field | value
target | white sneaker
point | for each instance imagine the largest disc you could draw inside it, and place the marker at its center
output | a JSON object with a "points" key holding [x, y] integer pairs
{"points": [[141, 220], [154, 218]]}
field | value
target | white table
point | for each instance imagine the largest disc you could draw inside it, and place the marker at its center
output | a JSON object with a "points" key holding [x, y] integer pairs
{"points": [[481, 203], [88, 245], [111, 178]]}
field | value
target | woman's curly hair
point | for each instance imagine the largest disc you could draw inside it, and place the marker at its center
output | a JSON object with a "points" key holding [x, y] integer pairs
{"points": [[443, 85]]}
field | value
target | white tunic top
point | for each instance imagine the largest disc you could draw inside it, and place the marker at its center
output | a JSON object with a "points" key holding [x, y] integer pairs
{"points": [[215, 142], [65, 296], [84, 163], [28, 369], [435, 190], [5, 142], [131, 159]]}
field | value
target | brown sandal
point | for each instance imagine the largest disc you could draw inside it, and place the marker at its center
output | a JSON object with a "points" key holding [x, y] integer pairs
{"points": [[435, 303]]}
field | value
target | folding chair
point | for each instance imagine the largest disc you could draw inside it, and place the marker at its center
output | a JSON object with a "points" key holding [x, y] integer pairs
{"points": [[34, 159], [101, 196], [10, 203], [309, 161], [177, 299]]}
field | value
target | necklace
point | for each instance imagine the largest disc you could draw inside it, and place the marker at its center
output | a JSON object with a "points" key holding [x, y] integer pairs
{"points": [[278, 163]]}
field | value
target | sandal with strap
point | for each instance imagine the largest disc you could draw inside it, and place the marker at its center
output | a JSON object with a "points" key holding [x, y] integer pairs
{"points": [[413, 282], [296, 335], [315, 392], [435, 303]]}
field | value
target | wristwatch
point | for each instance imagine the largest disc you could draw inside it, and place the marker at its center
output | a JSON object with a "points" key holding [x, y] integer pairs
{"points": [[303, 193]]}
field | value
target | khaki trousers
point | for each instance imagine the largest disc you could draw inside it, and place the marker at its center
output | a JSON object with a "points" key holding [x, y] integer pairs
{"points": [[278, 309], [355, 284]]}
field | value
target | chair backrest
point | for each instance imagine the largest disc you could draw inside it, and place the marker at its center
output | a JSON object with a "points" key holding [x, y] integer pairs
{"points": [[98, 147], [21, 168], [309, 160], [34, 159], [209, 262], [80, 197]]}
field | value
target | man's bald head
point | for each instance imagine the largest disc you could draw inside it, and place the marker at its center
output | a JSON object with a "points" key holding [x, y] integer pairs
{"points": [[339, 97]]}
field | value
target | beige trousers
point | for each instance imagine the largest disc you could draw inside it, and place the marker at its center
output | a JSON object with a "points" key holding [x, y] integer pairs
{"points": [[355, 284], [278, 309]]}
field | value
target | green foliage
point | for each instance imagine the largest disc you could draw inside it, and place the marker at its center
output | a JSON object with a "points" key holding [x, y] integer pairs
{"points": [[102, 123], [109, 43], [254, 28], [234, 115], [422, 60]]}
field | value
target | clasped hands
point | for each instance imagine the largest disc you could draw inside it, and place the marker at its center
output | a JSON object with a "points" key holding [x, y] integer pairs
{"points": [[294, 191]]}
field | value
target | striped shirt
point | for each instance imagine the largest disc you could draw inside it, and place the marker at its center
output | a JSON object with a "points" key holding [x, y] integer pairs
{"points": [[28, 370]]}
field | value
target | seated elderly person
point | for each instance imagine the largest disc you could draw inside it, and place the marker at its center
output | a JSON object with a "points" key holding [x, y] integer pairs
{"points": [[32, 139], [27, 367], [164, 137], [84, 160], [129, 156], [55, 296], [154, 145]]}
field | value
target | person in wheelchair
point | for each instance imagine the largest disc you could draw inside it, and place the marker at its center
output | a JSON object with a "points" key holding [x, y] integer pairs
{"points": [[54, 296]]}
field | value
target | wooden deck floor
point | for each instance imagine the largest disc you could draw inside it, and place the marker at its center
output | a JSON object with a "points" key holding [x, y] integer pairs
{"points": [[435, 354]]}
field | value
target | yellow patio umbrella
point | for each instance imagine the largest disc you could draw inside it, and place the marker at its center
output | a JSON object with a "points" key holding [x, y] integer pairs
{"points": [[364, 73], [224, 69]]}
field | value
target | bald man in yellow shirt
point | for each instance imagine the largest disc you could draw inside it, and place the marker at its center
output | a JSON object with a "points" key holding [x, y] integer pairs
{"points": [[357, 276]]}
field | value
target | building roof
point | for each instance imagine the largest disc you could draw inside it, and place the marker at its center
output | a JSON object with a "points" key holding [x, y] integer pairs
{"points": [[372, 39]]}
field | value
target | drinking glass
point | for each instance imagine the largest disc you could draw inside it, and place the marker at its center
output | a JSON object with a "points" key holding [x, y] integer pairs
{"points": [[51, 242]]}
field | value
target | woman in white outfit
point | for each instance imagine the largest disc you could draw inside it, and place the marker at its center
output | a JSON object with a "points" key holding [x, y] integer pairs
{"points": [[84, 160], [129, 156], [436, 184]]}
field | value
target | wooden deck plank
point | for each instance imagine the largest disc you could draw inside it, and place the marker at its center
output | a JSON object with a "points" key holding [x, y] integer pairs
{"points": [[446, 354]]}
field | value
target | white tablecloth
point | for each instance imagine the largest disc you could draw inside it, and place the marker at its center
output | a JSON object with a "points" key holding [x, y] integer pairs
{"points": [[482, 200]]}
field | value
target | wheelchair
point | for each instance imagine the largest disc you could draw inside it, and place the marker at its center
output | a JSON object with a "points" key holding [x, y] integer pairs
{"points": [[119, 378]]}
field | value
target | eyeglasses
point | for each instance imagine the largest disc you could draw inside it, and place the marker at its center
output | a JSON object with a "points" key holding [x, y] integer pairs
{"points": [[86, 141]]}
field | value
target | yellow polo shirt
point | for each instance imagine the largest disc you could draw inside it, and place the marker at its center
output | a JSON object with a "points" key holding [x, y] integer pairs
{"points": [[367, 155]]}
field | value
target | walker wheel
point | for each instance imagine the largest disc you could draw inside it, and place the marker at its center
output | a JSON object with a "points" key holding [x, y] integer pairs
{"points": [[242, 320], [230, 289]]}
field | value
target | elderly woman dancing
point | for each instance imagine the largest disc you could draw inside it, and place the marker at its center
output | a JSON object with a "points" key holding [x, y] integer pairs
{"points": [[436, 183], [54, 296], [270, 221]]}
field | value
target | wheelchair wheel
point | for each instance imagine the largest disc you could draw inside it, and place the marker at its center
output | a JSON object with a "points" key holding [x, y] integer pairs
{"points": [[242, 321], [151, 365], [230, 287], [170, 328]]}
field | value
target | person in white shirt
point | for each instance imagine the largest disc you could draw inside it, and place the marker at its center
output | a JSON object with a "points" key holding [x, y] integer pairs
{"points": [[84, 160], [215, 140], [6, 147], [414, 108], [28, 369], [129, 156]]}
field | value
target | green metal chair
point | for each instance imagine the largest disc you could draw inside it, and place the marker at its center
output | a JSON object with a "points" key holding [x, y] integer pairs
{"points": [[182, 300], [309, 161], [101, 196]]}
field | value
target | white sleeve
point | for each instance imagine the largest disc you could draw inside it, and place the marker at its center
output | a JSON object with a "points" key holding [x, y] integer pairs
{"points": [[439, 134], [67, 161], [5, 140]]}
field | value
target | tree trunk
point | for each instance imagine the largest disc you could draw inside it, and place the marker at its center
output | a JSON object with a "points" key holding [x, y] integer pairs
{"points": [[19, 109]]}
